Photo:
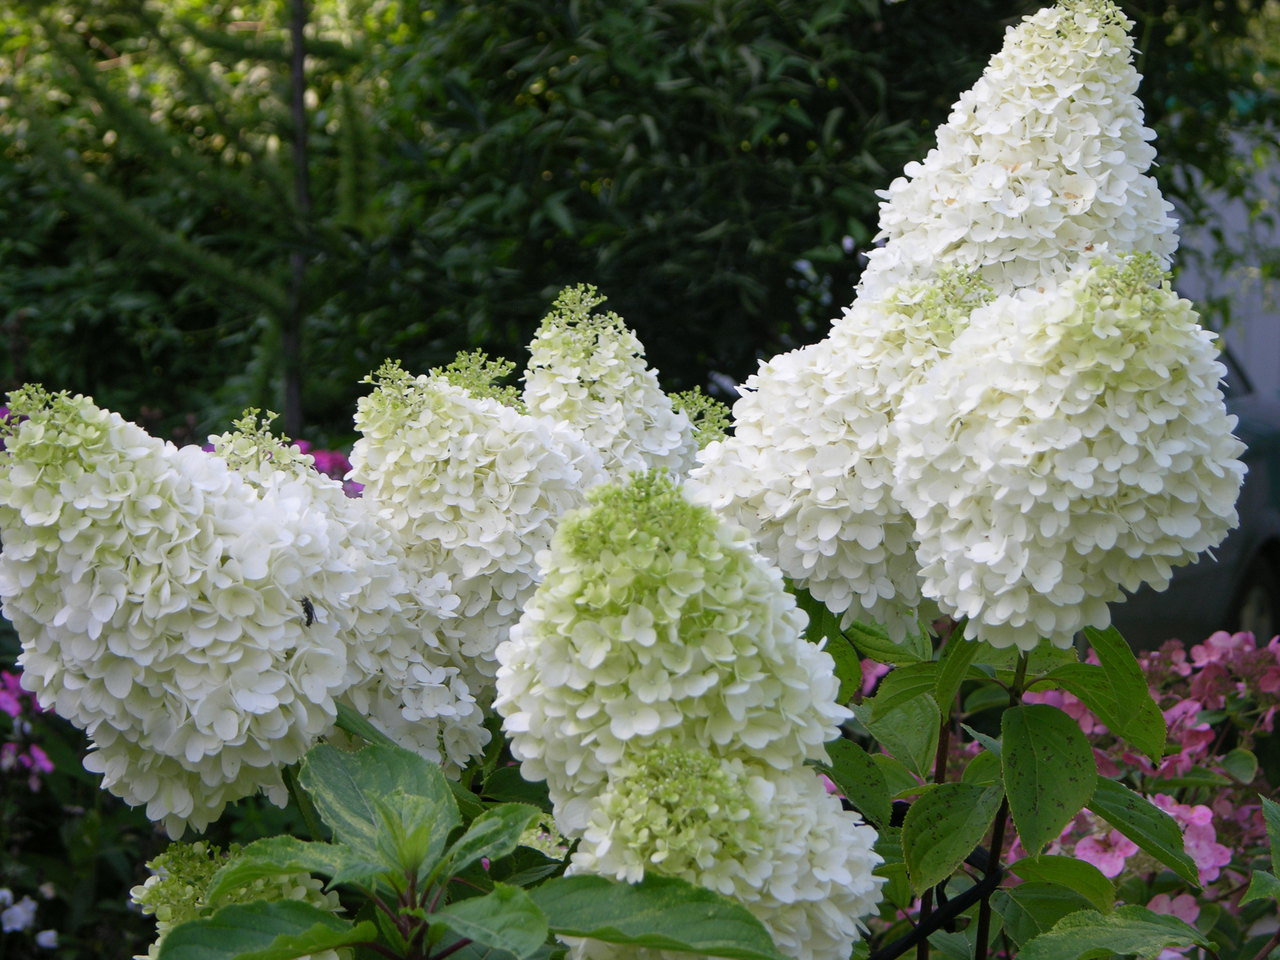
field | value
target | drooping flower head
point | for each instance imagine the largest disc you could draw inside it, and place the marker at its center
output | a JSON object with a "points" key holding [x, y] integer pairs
{"points": [[1072, 443], [657, 623], [390, 615], [588, 370], [814, 486], [159, 600], [776, 841], [470, 488], [1043, 162]]}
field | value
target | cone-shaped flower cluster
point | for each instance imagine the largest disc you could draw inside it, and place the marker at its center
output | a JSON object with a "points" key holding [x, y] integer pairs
{"points": [[160, 604], [1073, 442], [815, 487], [1041, 169], [400, 673], [1042, 163], [661, 645], [471, 488], [588, 370]]}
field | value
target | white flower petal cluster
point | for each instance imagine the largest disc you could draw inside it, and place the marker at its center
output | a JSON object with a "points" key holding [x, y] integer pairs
{"points": [[158, 598], [1043, 162], [815, 487], [401, 676], [1074, 442], [660, 645], [470, 488], [588, 371], [775, 841]]}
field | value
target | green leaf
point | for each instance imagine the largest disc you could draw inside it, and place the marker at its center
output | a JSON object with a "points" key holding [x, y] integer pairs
{"points": [[1262, 885], [356, 724], [1080, 876], [989, 743], [984, 769], [858, 778], [874, 644], [277, 930], [1032, 908], [1271, 814], [274, 856], [1139, 719], [902, 685], [493, 834], [1145, 824], [942, 828], [506, 919], [659, 913], [349, 789], [956, 659], [1242, 764], [909, 732], [507, 786], [1128, 931], [897, 777], [1049, 771], [824, 626], [848, 666]]}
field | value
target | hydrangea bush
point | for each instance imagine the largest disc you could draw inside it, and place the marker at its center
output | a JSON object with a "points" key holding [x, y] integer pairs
{"points": [[569, 668]]}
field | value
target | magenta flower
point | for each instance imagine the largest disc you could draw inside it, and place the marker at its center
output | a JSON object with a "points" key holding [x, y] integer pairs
{"points": [[1106, 852], [1183, 906], [1198, 835]]}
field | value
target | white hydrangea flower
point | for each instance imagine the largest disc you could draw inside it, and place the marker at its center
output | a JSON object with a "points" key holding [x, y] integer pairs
{"points": [[470, 488], [1074, 442], [657, 623], [159, 601], [1044, 161], [588, 370], [777, 842], [814, 487], [402, 678]]}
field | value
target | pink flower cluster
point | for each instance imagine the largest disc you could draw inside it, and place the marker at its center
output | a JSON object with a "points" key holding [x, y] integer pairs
{"points": [[332, 463], [17, 752]]}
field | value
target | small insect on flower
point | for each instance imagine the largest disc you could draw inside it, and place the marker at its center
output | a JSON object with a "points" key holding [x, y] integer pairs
{"points": [[308, 612]]}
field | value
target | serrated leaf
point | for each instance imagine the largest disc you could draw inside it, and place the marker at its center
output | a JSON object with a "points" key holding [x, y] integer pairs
{"points": [[493, 834], [874, 644], [897, 777], [1127, 931], [1262, 885], [1032, 908], [909, 732], [902, 685], [856, 775], [989, 743], [1049, 771], [1145, 824], [956, 659], [274, 856], [1139, 720], [984, 769], [277, 930], [659, 913], [1271, 815], [506, 919], [347, 789], [1079, 876], [943, 827]]}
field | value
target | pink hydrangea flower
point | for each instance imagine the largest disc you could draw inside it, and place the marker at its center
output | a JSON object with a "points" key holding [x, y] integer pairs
{"points": [[1108, 852], [1183, 906], [1198, 835]]}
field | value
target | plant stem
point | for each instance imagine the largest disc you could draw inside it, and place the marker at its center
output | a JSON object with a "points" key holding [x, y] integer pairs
{"points": [[999, 824], [1268, 947]]}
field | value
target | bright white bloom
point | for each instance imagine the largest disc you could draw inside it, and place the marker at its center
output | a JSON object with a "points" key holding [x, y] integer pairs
{"points": [[1041, 164], [657, 623], [159, 601], [588, 370], [470, 488], [815, 486], [1074, 442], [777, 842], [402, 678]]}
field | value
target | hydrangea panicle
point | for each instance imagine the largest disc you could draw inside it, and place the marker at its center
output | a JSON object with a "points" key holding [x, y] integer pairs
{"points": [[1072, 443], [156, 597], [588, 370], [1042, 163]]}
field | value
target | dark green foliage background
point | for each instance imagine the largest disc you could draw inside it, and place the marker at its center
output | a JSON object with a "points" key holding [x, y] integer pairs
{"points": [[701, 161]]}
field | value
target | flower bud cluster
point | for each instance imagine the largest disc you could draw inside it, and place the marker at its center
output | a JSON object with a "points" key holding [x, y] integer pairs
{"points": [[659, 682]]}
